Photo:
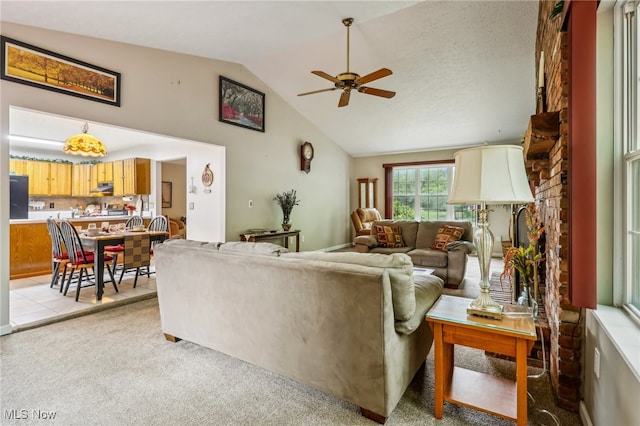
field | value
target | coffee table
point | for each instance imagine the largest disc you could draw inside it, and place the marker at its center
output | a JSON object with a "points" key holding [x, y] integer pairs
{"points": [[512, 336]]}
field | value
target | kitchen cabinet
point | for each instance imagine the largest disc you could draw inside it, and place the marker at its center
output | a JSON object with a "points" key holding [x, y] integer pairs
{"points": [[59, 179], [132, 176], [45, 178], [81, 183], [38, 172], [101, 172]]}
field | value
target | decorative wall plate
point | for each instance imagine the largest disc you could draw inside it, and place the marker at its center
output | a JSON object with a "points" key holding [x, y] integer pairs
{"points": [[207, 178]]}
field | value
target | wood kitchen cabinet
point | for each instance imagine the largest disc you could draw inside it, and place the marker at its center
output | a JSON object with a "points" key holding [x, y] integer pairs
{"points": [[132, 176], [45, 178], [59, 179], [101, 172], [81, 183]]}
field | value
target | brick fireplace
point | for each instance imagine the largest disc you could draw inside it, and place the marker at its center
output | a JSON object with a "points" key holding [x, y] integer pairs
{"points": [[547, 163]]}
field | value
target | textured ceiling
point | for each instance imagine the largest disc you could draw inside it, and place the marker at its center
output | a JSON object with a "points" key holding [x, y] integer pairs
{"points": [[463, 71]]}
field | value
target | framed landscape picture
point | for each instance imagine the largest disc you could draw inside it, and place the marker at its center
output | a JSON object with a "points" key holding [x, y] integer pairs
{"points": [[33, 66], [241, 105]]}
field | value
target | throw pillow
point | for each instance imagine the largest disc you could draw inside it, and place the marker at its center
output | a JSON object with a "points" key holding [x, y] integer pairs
{"points": [[389, 236], [446, 235]]}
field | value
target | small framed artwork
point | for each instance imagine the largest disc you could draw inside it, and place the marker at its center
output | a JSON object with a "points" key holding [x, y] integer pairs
{"points": [[26, 64], [166, 194], [241, 105]]}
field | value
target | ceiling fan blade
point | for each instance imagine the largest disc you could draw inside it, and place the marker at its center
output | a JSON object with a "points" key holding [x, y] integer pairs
{"points": [[382, 72], [377, 92], [316, 91], [325, 75], [344, 98]]}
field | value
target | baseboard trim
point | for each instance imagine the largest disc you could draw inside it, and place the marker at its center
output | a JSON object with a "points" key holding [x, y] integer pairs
{"points": [[584, 414], [338, 247], [5, 329]]}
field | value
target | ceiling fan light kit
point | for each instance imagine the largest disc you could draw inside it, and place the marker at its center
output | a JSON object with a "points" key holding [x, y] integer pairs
{"points": [[348, 81]]}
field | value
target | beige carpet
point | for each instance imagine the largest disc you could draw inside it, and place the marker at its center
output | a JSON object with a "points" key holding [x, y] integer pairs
{"points": [[115, 368]]}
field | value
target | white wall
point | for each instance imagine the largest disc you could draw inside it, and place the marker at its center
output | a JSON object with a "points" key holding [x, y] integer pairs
{"points": [[177, 95]]}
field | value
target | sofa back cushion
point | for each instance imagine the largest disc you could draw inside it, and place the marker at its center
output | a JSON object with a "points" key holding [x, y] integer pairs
{"points": [[408, 229], [398, 266], [428, 230], [267, 249]]}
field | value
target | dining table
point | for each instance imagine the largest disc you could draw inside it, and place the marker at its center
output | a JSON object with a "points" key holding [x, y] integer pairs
{"points": [[97, 244]]}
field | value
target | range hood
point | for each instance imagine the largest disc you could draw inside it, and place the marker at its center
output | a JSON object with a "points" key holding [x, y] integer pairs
{"points": [[103, 188]]}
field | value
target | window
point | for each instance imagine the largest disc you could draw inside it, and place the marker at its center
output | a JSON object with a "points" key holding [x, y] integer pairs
{"points": [[627, 158], [421, 192]]}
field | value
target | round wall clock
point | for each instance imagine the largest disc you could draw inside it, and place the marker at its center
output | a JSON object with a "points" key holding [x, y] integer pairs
{"points": [[306, 155]]}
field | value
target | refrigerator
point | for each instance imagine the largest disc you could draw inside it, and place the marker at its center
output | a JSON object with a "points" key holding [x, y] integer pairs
{"points": [[19, 197]]}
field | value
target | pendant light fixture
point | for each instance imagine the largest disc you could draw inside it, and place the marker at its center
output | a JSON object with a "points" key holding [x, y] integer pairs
{"points": [[85, 144]]}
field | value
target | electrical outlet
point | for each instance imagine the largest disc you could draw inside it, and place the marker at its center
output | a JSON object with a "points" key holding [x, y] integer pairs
{"points": [[191, 206], [302, 238], [52, 205], [250, 203], [596, 362]]}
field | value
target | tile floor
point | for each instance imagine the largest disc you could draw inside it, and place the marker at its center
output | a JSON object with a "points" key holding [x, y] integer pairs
{"points": [[33, 303]]}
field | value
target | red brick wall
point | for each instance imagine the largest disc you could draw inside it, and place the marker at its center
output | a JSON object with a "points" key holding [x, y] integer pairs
{"points": [[549, 176]]}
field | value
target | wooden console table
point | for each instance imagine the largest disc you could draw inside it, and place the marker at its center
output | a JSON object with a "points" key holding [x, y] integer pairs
{"points": [[513, 336], [278, 235]]}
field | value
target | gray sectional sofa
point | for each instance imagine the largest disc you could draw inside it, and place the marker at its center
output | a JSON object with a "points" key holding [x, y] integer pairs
{"points": [[450, 265], [348, 324]]}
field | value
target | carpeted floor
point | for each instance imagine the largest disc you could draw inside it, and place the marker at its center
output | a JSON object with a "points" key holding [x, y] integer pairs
{"points": [[115, 368]]}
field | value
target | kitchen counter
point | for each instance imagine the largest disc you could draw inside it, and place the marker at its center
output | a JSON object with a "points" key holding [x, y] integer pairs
{"points": [[76, 219], [30, 243]]}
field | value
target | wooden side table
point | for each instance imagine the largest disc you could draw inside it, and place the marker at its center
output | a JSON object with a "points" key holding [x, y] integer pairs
{"points": [[512, 336], [280, 235]]}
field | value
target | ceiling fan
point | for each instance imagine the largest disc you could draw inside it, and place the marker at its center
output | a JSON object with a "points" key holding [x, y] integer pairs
{"points": [[348, 81]]}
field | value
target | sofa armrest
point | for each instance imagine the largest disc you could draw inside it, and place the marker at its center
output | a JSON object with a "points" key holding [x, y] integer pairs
{"points": [[461, 245], [364, 243]]}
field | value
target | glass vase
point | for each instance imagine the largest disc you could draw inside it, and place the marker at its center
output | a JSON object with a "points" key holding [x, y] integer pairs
{"points": [[526, 299]]}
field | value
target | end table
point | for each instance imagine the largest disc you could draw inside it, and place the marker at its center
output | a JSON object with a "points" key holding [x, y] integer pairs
{"points": [[512, 336]]}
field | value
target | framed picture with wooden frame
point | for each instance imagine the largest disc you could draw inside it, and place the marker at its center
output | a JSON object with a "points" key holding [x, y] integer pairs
{"points": [[167, 195], [26, 64], [241, 105]]}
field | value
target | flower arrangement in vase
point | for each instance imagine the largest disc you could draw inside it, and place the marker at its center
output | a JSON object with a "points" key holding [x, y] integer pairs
{"points": [[525, 261], [286, 201], [130, 208]]}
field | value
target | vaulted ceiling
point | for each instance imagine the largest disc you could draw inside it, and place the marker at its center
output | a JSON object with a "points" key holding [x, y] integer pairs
{"points": [[463, 71]]}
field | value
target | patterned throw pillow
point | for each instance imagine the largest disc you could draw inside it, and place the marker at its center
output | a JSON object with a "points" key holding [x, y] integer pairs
{"points": [[389, 236], [446, 234]]}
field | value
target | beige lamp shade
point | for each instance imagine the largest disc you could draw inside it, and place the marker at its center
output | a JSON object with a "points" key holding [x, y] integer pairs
{"points": [[85, 145], [491, 175]]}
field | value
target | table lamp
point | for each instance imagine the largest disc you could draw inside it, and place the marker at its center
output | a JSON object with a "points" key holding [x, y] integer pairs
{"points": [[488, 175]]}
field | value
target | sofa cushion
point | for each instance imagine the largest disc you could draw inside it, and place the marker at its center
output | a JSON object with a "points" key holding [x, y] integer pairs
{"points": [[267, 249], [428, 289], [398, 265], [446, 234], [389, 236], [429, 257], [192, 243]]}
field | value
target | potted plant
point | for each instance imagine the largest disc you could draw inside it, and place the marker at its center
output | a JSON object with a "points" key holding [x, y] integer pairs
{"points": [[286, 201]]}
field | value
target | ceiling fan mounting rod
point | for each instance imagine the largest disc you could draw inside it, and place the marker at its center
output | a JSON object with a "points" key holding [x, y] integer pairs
{"points": [[347, 23]]}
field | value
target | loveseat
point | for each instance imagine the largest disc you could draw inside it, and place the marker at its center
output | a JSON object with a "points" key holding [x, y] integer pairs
{"points": [[417, 239], [348, 324]]}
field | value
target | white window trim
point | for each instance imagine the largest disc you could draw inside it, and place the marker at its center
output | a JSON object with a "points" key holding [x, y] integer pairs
{"points": [[622, 193]]}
